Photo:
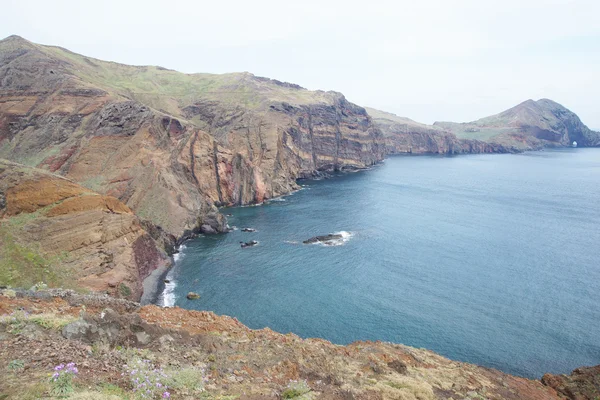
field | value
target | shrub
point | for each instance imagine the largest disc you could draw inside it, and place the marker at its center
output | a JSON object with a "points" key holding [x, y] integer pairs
{"points": [[296, 389], [146, 381], [17, 320], [186, 380], [16, 365], [62, 379], [124, 290]]}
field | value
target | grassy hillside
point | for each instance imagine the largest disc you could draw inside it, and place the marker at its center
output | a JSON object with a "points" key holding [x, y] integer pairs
{"points": [[168, 90]]}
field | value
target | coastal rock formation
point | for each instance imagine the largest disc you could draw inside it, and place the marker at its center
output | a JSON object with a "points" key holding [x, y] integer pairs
{"points": [[56, 231], [173, 146], [326, 239], [235, 360], [583, 383], [403, 135], [530, 125]]}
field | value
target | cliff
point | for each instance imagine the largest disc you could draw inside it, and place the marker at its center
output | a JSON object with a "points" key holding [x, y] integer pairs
{"points": [[203, 355], [55, 231], [172, 146], [403, 135]]}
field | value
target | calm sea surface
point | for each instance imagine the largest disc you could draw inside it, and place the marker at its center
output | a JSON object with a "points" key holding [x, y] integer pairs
{"points": [[490, 259]]}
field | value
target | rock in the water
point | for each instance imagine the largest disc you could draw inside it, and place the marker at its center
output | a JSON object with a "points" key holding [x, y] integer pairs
{"points": [[248, 230], [193, 296], [323, 239], [249, 244]]}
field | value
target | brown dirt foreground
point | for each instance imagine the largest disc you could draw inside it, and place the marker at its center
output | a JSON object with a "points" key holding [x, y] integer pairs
{"points": [[210, 356]]}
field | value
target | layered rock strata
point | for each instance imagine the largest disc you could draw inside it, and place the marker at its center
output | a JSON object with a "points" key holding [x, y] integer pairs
{"points": [[53, 228]]}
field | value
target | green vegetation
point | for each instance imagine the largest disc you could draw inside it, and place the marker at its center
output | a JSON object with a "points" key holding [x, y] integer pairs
{"points": [[16, 365], [169, 91], [62, 379], [124, 290], [17, 321], [96, 183], [397, 385], [297, 390], [188, 381], [25, 266]]}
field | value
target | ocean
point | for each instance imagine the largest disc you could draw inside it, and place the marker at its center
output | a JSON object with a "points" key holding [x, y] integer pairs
{"points": [[488, 259]]}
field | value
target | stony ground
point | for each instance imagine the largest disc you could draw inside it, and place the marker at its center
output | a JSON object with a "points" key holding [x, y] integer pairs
{"points": [[204, 356]]}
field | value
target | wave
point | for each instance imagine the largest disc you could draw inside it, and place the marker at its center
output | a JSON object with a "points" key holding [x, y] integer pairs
{"points": [[179, 255], [345, 238], [168, 294]]}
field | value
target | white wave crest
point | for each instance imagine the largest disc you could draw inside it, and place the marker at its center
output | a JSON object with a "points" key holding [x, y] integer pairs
{"points": [[345, 238], [168, 295], [179, 255]]}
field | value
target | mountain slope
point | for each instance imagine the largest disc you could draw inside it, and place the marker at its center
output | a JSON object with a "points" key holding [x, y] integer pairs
{"points": [[172, 145], [529, 125], [56, 231]]}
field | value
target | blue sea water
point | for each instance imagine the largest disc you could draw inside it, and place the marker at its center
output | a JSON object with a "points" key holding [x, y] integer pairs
{"points": [[489, 259]]}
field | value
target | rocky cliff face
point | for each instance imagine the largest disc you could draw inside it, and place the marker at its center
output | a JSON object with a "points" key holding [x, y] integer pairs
{"points": [[54, 230], [220, 357], [169, 145], [403, 135]]}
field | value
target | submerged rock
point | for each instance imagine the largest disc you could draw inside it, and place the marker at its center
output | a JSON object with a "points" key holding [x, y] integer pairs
{"points": [[248, 230], [249, 244], [193, 296], [323, 239]]}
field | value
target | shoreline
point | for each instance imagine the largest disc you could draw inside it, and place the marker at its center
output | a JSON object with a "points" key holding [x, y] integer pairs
{"points": [[154, 284]]}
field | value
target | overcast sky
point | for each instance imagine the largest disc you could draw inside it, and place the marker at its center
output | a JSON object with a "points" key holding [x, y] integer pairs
{"points": [[428, 60]]}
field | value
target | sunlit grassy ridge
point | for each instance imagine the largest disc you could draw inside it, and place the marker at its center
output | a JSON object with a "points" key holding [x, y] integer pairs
{"points": [[387, 119], [169, 91]]}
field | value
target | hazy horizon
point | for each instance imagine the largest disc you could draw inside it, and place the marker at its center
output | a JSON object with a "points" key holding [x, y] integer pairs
{"points": [[430, 61]]}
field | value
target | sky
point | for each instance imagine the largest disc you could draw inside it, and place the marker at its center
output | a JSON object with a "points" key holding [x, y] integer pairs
{"points": [[429, 60]]}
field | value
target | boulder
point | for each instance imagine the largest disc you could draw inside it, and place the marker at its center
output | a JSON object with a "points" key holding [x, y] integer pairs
{"points": [[76, 330], [193, 296]]}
